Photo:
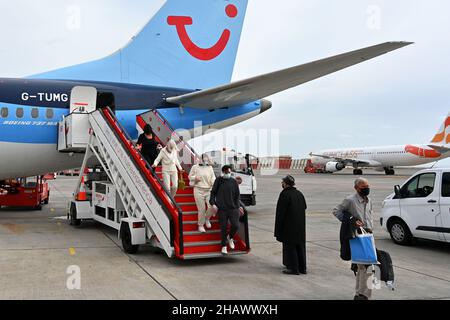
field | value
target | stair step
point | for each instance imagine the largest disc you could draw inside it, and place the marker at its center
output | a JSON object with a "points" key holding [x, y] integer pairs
{"points": [[207, 255], [185, 201], [202, 244], [188, 207], [189, 226], [197, 237], [202, 247], [195, 222], [192, 233], [187, 213]]}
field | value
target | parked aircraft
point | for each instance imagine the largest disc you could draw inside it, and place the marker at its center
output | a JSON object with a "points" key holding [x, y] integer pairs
{"points": [[386, 158], [181, 63]]}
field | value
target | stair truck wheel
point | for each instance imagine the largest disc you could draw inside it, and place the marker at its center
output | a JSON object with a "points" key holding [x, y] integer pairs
{"points": [[400, 233], [125, 235], [73, 216], [48, 198]]}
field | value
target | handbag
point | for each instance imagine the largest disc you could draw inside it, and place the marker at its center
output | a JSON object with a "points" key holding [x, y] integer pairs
{"points": [[363, 250], [181, 182]]}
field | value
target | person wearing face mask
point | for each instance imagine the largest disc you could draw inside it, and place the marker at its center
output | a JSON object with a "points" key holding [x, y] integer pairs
{"points": [[290, 227], [225, 199], [359, 206], [202, 178], [168, 156]]}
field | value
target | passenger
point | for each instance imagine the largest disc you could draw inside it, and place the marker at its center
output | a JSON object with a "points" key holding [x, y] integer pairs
{"points": [[168, 156], [225, 199], [147, 145], [202, 178], [359, 206], [290, 227]]}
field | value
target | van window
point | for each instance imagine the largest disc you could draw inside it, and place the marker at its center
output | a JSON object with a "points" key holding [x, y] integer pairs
{"points": [[446, 185], [49, 113], [19, 112], [35, 113], [4, 112], [419, 187]]}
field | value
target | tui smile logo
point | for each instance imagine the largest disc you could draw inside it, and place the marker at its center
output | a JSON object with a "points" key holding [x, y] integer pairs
{"points": [[205, 54]]}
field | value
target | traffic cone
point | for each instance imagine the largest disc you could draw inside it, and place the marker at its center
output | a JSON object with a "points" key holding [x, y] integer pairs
{"points": [[82, 195]]}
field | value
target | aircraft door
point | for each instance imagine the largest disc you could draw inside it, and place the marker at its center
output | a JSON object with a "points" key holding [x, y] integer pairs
{"points": [[83, 99]]}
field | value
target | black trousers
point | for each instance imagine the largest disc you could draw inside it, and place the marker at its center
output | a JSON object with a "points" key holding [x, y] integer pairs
{"points": [[224, 217], [294, 257]]}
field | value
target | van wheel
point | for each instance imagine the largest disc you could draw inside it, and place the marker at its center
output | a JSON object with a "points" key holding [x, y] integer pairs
{"points": [[48, 198], [73, 216], [400, 233], [127, 245]]}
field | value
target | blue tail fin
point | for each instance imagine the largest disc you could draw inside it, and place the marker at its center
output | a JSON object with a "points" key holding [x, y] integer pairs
{"points": [[188, 44]]}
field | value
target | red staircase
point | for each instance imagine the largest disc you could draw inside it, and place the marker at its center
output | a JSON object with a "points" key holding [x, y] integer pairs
{"points": [[197, 244]]}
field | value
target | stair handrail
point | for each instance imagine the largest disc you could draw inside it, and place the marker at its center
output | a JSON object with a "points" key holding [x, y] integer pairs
{"points": [[194, 155]]}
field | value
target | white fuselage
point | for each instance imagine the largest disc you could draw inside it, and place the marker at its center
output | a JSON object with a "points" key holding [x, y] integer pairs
{"points": [[383, 157]]}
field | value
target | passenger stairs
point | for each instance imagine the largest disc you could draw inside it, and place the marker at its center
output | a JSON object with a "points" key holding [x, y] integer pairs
{"points": [[129, 196]]}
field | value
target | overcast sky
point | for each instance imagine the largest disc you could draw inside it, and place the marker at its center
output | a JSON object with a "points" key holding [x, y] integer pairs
{"points": [[398, 98]]}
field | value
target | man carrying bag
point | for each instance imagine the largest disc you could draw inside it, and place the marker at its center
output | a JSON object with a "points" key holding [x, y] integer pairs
{"points": [[359, 206]]}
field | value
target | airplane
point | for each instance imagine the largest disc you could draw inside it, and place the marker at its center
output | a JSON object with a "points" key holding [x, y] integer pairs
{"points": [[386, 158], [180, 63]]}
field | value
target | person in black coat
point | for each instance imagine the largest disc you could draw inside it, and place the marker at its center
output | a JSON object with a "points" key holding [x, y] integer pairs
{"points": [[290, 227], [148, 145]]}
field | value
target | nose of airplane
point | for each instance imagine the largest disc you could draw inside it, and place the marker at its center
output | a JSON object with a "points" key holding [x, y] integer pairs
{"points": [[265, 105]]}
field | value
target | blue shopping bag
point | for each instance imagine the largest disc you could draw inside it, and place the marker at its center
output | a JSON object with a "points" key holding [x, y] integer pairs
{"points": [[363, 249]]}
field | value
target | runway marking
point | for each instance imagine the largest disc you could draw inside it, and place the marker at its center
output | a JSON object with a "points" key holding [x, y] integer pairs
{"points": [[72, 251], [13, 228]]}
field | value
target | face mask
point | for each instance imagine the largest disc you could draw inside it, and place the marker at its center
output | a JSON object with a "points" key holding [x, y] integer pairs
{"points": [[205, 163], [364, 192], [227, 175]]}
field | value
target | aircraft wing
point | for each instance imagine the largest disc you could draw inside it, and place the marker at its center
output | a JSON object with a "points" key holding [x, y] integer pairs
{"points": [[245, 91], [349, 161]]}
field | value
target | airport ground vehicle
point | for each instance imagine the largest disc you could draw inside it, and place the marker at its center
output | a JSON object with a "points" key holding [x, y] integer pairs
{"points": [[242, 171], [314, 168], [24, 192], [127, 195], [420, 208]]}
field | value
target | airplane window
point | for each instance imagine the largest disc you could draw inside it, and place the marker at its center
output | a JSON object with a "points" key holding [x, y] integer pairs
{"points": [[4, 112], [49, 113], [19, 112], [35, 113]]}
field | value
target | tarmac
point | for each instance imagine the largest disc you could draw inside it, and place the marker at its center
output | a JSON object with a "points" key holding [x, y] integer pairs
{"points": [[39, 249]]}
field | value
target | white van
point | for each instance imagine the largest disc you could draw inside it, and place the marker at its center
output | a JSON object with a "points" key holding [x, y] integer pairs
{"points": [[420, 208]]}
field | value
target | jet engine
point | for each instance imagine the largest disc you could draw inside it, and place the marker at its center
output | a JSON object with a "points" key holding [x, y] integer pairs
{"points": [[333, 166]]}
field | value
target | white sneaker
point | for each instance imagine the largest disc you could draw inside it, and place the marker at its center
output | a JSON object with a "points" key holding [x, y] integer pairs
{"points": [[201, 229], [224, 250], [208, 224], [231, 243]]}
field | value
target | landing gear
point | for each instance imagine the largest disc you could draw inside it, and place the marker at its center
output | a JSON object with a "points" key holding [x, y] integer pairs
{"points": [[389, 171], [357, 172]]}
